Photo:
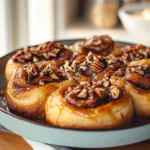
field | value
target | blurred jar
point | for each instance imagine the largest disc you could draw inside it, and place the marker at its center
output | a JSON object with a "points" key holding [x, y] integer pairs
{"points": [[104, 13], [129, 1]]}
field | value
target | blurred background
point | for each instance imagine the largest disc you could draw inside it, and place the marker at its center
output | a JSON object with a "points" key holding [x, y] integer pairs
{"points": [[29, 22]]}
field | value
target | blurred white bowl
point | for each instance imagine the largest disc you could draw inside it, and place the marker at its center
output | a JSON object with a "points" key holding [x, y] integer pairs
{"points": [[137, 26]]}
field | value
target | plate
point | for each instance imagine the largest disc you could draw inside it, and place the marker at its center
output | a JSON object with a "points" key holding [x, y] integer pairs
{"points": [[66, 137]]}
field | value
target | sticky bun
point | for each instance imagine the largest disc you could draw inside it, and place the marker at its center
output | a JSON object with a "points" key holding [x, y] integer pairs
{"points": [[30, 86], [84, 66], [93, 84], [134, 53], [138, 86], [95, 104], [53, 52], [102, 45]]}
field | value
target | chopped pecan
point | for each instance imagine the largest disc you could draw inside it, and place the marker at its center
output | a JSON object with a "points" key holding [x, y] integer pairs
{"points": [[45, 55], [80, 59], [33, 50], [60, 73], [26, 49], [97, 42], [53, 76], [106, 83], [115, 91], [69, 89], [67, 66], [21, 59], [54, 53], [85, 64], [32, 70], [120, 72], [42, 80], [82, 94], [77, 89], [87, 42], [101, 92], [49, 50], [145, 67], [83, 82], [44, 72], [137, 52], [138, 71], [23, 55], [35, 59]]}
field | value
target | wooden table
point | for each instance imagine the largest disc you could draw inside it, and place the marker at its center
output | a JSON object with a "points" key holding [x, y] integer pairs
{"points": [[9, 141]]}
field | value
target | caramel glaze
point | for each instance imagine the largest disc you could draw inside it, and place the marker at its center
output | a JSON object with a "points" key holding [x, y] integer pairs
{"points": [[135, 123], [86, 112], [89, 112], [117, 50], [104, 48], [34, 111], [14, 64], [141, 100], [90, 101], [139, 81], [23, 100], [56, 51]]}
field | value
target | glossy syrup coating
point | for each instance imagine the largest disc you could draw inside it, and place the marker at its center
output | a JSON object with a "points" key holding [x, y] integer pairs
{"points": [[92, 86], [102, 45], [29, 88], [114, 114], [138, 86], [53, 52]]}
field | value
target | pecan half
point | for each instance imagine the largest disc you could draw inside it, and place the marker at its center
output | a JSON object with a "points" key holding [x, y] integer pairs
{"points": [[97, 67]]}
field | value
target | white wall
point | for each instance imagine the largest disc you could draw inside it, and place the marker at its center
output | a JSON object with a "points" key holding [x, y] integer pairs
{"points": [[5, 41], [41, 21], [25, 22]]}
